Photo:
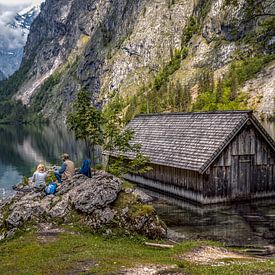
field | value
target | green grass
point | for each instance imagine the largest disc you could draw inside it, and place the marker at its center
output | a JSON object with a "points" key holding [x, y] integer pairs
{"points": [[25, 255]]}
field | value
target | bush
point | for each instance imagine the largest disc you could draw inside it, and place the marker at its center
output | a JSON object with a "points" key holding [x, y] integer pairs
{"points": [[188, 32]]}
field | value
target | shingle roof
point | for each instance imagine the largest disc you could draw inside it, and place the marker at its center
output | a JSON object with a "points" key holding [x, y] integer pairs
{"points": [[186, 140]]}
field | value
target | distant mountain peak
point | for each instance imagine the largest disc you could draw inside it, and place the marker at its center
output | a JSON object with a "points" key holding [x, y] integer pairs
{"points": [[25, 17], [18, 29]]}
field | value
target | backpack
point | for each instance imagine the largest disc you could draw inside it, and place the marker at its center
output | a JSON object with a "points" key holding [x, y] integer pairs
{"points": [[51, 188]]}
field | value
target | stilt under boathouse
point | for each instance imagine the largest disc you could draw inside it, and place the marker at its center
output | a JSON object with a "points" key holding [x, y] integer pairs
{"points": [[207, 157]]}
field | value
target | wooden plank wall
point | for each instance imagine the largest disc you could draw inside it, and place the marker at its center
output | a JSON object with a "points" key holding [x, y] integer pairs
{"points": [[187, 179], [221, 179]]}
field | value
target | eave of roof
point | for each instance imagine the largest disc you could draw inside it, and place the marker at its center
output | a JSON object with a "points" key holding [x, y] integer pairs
{"points": [[257, 125]]}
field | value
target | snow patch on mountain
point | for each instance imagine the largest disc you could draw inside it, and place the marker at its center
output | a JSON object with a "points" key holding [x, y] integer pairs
{"points": [[14, 30]]}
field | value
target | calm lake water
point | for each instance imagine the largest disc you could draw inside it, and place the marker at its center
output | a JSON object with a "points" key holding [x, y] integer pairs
{"points": [[23, 147]]}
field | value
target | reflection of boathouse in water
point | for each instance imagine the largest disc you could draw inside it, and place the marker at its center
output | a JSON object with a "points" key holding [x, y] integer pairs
{"points": [[207, 157]]}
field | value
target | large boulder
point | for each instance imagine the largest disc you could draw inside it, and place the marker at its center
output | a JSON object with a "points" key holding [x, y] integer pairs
{"points": [[99, 202], [95, 193]]}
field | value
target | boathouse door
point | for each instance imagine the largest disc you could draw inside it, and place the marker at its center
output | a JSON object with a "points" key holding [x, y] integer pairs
{"points": [[242, 180]]}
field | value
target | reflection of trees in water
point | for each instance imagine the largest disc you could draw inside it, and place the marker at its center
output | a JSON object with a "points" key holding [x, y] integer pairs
{"points": [[23, 146]]}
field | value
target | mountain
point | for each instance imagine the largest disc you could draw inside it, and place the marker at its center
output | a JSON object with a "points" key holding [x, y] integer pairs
{"points": [[2, 76], [14, 38], [159, 56]]}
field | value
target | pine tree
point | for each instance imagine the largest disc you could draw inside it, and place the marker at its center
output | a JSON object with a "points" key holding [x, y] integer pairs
{"points": [[187, 99], [179, 97], [233, 85], [219, 91], [85, 120]]}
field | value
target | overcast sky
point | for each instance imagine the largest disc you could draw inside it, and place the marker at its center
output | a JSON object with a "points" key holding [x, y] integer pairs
{"points": [[19, 2], [12, 38]]}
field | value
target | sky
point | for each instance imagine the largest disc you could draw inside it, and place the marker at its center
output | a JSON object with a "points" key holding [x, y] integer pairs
{"points": [[10, 38], [19, 2]]}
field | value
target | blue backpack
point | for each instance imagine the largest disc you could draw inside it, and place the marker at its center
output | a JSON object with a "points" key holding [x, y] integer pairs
{"points": [[51, 188]]}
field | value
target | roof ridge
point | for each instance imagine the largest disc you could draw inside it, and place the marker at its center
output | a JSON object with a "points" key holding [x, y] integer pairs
{"points": [[224, 143], [204, 112]]}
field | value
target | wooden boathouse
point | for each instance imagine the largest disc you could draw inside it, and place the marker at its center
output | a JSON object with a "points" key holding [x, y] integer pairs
{"points": [[207, 157]]}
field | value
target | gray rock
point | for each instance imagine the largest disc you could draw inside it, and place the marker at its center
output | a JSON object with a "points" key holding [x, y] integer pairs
{"points": [[142, 196], [18, 217], [61, 209], [95, 193], [93, 200], [101, 217], [68, 185], [10, 233]]}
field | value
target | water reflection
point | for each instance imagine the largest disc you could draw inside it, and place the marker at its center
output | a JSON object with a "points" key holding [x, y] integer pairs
{"points": [[246, 224], [22, 147]]}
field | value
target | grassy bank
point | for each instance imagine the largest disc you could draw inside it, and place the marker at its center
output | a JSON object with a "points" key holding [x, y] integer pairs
{"points": [[76, 252]]}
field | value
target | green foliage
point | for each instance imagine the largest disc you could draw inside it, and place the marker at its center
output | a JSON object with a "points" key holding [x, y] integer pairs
{"points": [[118, 141], [120, 165], [107, 129], [190, 29], [12, 111], [11, 85], [85, 120], [44, 92], [245, 69], [254, 9], [173, 98], [163, 76], [50, 178], [225, 95], [210, 101]]}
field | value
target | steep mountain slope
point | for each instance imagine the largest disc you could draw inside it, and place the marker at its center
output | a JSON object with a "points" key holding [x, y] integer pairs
{"points": [[14, 38], [2, 76], [151, 49]]}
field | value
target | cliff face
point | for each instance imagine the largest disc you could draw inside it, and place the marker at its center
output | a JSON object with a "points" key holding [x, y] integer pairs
{"points": [[2, 76], [120, 46]]}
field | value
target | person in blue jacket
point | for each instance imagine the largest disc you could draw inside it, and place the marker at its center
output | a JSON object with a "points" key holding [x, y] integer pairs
{"points": [[86, 168]]}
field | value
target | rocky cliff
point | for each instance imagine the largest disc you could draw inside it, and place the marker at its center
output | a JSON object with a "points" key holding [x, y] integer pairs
{"points": [[2, 76], [126, 47]]}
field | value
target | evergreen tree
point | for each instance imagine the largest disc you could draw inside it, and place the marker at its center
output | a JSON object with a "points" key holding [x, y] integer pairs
{"points": [[179, 97], [85, 120], [117, 139], [233, 85], [219, 91], [187, 99]]}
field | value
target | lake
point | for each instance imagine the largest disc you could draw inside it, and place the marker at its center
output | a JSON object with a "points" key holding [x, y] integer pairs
{"points": [[22, 147]]}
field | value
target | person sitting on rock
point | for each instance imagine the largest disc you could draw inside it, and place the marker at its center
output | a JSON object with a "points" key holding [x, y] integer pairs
{"points": [[86, 168], [39, 177], [67, 169]]}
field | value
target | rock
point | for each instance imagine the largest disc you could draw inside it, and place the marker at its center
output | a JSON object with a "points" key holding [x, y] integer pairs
{"points": [[68, 185], [10, 233], [95, 193], [101, 217], [61, 209], [18, 217], [142, 196], [94, 199]]}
